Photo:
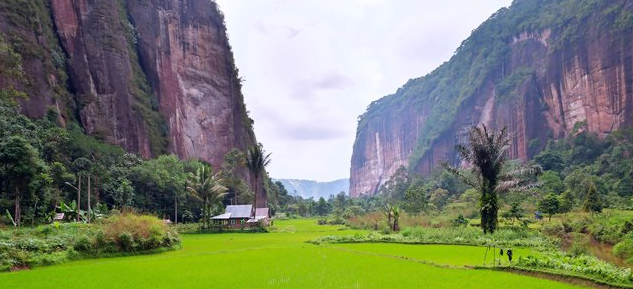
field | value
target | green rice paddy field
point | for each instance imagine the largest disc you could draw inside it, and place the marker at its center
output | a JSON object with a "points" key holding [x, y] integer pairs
{"points": [[282, 259]]}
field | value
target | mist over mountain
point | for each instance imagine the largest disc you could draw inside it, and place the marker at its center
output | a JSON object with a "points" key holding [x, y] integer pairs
{"points": [[314, 189]]}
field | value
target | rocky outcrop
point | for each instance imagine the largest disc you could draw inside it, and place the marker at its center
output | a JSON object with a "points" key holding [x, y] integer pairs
{"points": [[546, 85], [151, 76]]}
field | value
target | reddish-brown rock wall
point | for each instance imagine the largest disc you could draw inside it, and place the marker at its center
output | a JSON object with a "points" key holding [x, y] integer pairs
{"points": [[189, 62], [151, 76], [590, 81]]}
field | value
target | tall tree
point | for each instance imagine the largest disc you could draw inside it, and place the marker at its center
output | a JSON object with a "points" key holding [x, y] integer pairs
{"points": [[20, 165], [549, 205], [486, 152], [257, 161], [206, 186], [593, 204]]}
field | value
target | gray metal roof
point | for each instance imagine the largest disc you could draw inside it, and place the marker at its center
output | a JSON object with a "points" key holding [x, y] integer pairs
{"points": [[262, 212], [222, 217], [239, 211]]}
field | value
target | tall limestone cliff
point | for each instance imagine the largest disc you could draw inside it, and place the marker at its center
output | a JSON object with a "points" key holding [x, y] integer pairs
{"points": [[153, 76], [543, 68]]}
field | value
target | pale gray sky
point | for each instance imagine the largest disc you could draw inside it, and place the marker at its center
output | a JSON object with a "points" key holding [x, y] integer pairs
{"points": [[311, 67]]}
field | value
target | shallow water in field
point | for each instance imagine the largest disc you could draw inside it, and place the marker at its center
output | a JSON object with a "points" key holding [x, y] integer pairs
{"points": [[605, 252]]}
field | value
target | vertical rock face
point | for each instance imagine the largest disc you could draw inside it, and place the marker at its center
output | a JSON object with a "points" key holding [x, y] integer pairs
{"points": [[153, 76], [27, 27], [542, 88], [188, 59], [92, 33]]}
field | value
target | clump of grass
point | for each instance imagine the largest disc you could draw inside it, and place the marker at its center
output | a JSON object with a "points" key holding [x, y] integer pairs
{"points": [[460, 236], [583, 265]]}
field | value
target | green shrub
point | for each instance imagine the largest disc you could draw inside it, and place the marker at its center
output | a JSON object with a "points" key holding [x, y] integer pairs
{"points": [[624, 249], [46, 245], [83, 244], [553, 229], [337, 221], [460, 221], [126, 242]]}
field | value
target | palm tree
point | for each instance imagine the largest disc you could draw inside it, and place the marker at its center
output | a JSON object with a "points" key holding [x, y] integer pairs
{"points": [[388, 211], [257, 160], [486, 152], [206, 186], [396, 218]]}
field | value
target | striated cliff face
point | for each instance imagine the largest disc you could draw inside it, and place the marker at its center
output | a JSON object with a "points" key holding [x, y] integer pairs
{"points": [[100, 61], [152, 76], [542, 84], [190, 64]]}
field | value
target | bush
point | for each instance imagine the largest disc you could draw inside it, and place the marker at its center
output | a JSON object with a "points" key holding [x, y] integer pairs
{"points": [[48, 245], [125, 242], [554, 229], [83, 244], [337, 221], [624, 249], [460, 221]]}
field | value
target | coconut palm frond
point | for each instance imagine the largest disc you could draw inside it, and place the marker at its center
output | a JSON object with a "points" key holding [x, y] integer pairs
{"points": [[524, 171], [461, 176]]}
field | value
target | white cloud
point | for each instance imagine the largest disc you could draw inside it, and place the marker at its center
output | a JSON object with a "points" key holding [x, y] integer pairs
{"points": [[312, 66]]}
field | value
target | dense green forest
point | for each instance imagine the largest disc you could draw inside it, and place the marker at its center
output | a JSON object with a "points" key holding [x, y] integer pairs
{"points": [[571, 166]]}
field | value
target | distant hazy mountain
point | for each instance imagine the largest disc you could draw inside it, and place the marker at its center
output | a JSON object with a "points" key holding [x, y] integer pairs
{"points": [[307, 189]]}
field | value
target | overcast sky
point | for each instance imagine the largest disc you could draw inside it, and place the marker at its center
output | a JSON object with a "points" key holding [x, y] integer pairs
{"points": [[311, 67]]}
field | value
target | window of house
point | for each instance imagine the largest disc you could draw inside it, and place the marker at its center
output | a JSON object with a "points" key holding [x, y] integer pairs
{"points": [[233, 222]]}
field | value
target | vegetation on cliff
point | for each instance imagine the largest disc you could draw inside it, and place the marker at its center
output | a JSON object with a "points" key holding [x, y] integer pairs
{"points": [[481, 59]]}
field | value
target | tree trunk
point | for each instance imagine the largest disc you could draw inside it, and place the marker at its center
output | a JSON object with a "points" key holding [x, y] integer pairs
{"points": [[205, 213], [256, 185], [97, 188], [175, 209], [16, 213], [78, 198], [89, 207]]}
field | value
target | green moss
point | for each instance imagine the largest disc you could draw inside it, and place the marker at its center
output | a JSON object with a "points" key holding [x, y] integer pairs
{"points": [[506, 90]]}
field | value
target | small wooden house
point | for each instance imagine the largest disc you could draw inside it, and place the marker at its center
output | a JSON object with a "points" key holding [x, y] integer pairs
{"points": [[234, 217]]}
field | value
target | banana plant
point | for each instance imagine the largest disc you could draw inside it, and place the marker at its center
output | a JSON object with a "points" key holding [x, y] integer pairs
{"points": [[70, 210]]}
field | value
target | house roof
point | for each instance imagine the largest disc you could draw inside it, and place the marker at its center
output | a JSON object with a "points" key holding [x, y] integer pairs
{"points": [[222, 217], [262, 212], [239, 211]]}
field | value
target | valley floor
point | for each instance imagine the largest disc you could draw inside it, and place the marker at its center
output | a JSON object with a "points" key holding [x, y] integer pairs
{"points": [[282, 259]]}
